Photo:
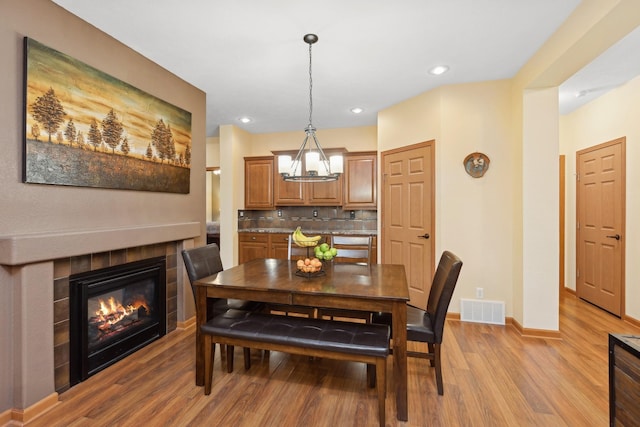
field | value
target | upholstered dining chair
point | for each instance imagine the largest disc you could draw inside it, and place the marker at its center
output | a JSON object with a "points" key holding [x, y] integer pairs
{"points": [[295, 252], [205, 261], [351, 249], [427, 326]]}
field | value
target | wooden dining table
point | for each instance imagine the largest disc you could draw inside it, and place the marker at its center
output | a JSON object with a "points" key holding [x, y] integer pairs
{"points": [[375, 288]]}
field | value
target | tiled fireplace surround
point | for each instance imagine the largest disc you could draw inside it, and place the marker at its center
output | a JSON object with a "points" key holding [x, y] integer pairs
{"points": [[64, 267], [34, 273]]}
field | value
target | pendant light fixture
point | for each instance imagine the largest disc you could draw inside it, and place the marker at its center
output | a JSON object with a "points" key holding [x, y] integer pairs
{"points": [[310, 164]]}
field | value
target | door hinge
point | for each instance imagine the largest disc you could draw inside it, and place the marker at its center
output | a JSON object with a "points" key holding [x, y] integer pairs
{"points": [[577, 273], [578, 225], [577, 177]]}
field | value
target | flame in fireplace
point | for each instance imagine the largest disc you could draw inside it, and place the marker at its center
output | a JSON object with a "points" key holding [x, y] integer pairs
{"points": [[112, 311]]}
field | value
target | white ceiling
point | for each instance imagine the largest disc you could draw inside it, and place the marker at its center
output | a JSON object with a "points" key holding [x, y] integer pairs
{"points": [[250, 59]]}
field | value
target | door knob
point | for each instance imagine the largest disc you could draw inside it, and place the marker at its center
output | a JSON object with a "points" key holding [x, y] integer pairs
{"points": [[424, 236], [615, 236]]}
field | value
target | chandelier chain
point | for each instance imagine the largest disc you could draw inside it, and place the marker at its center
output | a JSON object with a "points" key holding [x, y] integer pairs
{"points": [[310, 163], [310, 88]]}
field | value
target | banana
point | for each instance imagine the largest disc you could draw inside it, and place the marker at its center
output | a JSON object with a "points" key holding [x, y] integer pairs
{"points": [[308, 238], [301, 240]]}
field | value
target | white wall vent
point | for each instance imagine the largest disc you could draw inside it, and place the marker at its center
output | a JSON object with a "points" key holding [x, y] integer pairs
{"points": [[482, 311]]}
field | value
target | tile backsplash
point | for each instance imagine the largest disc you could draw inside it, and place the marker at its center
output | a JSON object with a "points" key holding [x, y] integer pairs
{"points": [[319, 218]]}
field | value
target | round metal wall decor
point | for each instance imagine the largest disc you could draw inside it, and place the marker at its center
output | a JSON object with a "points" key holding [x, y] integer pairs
{"points": [[476, 164]]}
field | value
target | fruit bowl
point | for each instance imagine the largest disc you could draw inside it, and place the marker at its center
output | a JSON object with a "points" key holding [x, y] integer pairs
{"points": [[309, 267]]}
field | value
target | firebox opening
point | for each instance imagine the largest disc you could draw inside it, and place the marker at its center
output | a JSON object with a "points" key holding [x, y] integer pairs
{"points": [[114, 312]]}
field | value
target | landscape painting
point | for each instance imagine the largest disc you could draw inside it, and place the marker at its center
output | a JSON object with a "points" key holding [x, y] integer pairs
{"points": [[86, 128]]}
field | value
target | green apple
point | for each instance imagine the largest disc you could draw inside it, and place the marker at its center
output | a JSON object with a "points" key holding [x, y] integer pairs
{"points": [[327, 256], [333, 251], [324, 247]]}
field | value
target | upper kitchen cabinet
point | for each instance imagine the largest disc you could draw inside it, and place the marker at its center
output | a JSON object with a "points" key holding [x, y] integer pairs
{"points": [[306, 193], [356, 188], [258, 182], [360, 172]]}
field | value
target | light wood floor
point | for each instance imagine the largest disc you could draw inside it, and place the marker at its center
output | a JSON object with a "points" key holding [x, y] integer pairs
{"points": [[492, 377]]}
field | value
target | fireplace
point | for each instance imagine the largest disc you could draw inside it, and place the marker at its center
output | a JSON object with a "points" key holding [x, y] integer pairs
{"points": [[114, 311]]}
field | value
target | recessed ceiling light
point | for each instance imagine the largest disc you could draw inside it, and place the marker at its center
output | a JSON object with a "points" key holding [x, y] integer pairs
{"points": [[245, 119], [356, 110], [439, 69]]}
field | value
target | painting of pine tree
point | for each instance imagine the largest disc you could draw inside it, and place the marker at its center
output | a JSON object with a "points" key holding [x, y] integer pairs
{"points": [[84, 127]]}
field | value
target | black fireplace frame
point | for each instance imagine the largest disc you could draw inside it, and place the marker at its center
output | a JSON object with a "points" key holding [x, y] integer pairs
{"points": [[83, 286]]}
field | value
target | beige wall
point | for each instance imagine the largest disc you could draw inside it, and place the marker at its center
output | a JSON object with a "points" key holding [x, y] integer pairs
{"points": [[103, 218], [353, 139], [590, 30], [611, 116], [516, 124], [473, 215], [235, 145], [213, 181], [39, 208]]}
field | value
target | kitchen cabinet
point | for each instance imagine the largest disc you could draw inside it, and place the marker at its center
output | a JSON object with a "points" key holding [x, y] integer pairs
{"points": [[258, 182], [306, 193], [279, 245], [356, 188], [360, 173], [275, 245], [262, 245], [252, 246]]}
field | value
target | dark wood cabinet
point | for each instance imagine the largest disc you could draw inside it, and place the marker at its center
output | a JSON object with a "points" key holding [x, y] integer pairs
{"points": [[288, 193], [306, 193], [258, 182], [252, 246], [275, 245], [325, 193], [279, 245], [262, 245], [360, 172], [356, 188], [624, 380]]}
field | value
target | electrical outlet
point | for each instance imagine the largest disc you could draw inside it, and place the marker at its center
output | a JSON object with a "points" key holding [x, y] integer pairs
{"points": [[352, 214], [479, 293], [315, 213], [279, 213], [241, 214]]}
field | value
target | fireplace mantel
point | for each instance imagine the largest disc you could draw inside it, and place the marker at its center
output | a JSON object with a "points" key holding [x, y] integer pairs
{"points": [[36, 247]]}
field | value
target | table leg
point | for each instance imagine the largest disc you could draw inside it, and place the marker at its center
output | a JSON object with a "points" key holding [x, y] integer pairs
{"points": [[399, 316], [201, 318]]}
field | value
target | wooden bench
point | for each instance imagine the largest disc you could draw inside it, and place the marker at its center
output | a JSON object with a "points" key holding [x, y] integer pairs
{"points": [[357, 342]]}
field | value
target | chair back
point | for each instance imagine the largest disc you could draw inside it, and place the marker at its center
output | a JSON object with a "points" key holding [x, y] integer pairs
{"points": [[202, 262], [295, 252], [353, 249], [442, 287]]}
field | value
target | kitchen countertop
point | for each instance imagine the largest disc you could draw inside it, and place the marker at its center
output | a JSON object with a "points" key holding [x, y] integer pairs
{"points": [[309, 231]]}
